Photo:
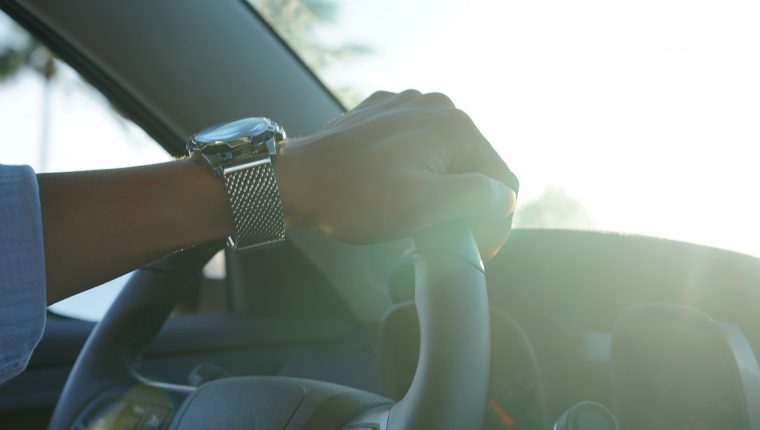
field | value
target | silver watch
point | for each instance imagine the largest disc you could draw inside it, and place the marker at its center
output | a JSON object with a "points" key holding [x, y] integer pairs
{"points": [[242, 153]]}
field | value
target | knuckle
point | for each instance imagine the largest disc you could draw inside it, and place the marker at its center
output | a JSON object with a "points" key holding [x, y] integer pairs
{"points": [[476, 186], [511, 180], [457, 118], [416, 192], [378, 96], [482, 182], [381, 93], [410, 93], [439, 99]]}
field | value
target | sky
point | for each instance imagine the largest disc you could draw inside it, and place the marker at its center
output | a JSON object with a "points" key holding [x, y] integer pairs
{"points": [[646, 112], [85, 133]]}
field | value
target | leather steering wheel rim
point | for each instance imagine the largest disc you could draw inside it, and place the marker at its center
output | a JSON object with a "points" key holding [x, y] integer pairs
{"points": [[448, 391]]}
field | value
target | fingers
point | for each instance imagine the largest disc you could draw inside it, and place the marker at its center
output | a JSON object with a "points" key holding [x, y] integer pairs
{"points": [[470, 196], [490, 235], [471, 150], [492, 163], [408, 109], [483, 197], [432, 100], [405, 97], [376, 97], [486, 202], [436, 100], [388, 98], [415, 160], [472, 153]]}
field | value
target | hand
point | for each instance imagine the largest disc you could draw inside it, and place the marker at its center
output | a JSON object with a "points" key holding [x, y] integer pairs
{"points": [[393, 165]]}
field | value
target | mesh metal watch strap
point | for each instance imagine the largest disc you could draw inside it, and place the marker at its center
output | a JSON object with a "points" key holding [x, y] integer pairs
{"points": [[256, 206]]}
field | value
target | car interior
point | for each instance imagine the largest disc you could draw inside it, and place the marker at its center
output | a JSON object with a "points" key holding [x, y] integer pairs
{"points": [[562, 329]]}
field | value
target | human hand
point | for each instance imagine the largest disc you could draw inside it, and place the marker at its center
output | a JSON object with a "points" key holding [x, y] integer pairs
{"points": [[395, 164]]}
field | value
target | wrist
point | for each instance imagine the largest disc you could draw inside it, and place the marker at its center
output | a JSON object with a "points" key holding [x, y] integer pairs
{"points": [[289, 173], [209, 196]]}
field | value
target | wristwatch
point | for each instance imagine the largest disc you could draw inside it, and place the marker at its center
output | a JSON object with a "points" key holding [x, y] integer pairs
{"points": [[242, 153]]}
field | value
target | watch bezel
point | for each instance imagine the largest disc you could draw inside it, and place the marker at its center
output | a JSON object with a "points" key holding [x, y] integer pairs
{"points": [[225, 154]]}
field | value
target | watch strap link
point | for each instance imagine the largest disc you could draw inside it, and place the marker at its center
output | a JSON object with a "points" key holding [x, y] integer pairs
{"points": [[256, 206]]}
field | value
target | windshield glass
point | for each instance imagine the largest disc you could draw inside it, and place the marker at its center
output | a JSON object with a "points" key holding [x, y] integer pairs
{"points": [[629, 116]]}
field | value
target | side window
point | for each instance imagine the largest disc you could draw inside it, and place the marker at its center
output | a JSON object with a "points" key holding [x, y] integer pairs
{"points": [[54, 121]]}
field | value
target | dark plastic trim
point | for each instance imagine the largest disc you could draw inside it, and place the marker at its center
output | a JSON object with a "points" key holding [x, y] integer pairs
{"points": [[294, 54], [127, 105]]}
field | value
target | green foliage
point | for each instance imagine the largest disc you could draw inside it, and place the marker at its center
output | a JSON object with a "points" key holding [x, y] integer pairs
{"points": [[25, 54], [297, 22], [553, 209], [11, 61], [322, 9]]}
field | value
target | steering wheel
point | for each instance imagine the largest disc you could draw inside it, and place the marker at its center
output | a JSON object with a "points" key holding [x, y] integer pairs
{"points": [[448, 391]]}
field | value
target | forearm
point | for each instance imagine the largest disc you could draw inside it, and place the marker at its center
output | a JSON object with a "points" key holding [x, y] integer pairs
{"points": [[392, 166], [101, 224]]}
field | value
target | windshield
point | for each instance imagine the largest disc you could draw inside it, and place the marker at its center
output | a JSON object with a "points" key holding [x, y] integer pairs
{"points": [[629, 116]]}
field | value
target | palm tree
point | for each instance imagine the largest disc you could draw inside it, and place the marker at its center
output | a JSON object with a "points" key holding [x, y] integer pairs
{"points": [[28, 54], [295, 20]]}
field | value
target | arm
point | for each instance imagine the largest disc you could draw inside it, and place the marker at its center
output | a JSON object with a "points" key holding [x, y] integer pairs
{"points": [[393, 165], [101, 224]]}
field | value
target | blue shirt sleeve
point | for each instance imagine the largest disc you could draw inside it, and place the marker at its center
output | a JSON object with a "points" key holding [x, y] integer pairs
{"points": [[22, 269]]}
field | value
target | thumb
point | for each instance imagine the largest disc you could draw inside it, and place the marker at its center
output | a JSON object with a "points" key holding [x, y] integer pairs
{"points": [[472, 195]]}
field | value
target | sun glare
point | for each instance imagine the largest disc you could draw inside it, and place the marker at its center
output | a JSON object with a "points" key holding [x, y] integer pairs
{"points": [[645, 113]]}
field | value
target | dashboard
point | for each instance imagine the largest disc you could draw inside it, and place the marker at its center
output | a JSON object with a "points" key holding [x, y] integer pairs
{"points": [[570, 290], [665, 334], [674, 367], [516, 398], [671, 367]]}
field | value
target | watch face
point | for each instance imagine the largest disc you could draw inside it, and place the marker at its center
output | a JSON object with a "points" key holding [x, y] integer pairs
{"points": [[231, 131]]}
